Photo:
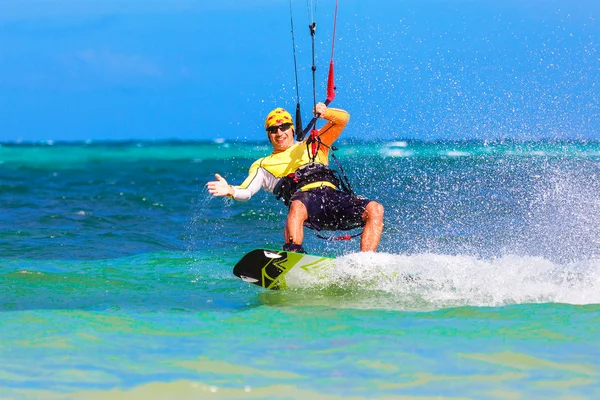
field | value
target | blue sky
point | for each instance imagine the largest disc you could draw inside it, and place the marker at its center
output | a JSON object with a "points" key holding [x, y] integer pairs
{"points": [[198, 70]]}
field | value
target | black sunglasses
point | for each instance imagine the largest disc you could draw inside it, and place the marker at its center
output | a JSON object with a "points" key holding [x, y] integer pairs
{"points": [[284, 127]]}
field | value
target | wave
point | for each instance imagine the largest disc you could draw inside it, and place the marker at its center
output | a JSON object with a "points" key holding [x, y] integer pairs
{"points": [[435, 281]]}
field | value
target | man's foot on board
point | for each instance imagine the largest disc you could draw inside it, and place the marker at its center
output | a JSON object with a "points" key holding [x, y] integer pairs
{"points": [[294, 248]]}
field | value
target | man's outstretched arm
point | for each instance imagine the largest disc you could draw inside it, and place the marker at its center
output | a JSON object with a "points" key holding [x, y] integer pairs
{"points": [[220, 187], [251, 185]]}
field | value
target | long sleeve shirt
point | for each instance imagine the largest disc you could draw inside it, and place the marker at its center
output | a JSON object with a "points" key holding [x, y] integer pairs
{"points": [[266, 172]]}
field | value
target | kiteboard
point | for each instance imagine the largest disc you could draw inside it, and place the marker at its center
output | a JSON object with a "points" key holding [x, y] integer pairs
{"points": [[271, 268]]}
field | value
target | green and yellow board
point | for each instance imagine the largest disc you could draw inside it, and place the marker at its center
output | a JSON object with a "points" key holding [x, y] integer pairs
{"points": [[268, 268]]}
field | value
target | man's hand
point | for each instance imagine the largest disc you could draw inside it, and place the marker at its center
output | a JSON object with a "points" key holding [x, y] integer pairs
{"points": [[320, 109], [220, 187]]}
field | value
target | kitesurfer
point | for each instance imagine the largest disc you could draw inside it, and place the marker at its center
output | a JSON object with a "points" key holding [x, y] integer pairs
{"points": [[313, 192]]}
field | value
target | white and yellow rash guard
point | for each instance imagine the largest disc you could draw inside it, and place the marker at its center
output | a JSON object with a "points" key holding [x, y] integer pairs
{"points": [[266, 172]]}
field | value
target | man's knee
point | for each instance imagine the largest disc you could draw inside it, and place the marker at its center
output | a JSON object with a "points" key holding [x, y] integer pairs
{"points": [[374, 211], [298, 209]]}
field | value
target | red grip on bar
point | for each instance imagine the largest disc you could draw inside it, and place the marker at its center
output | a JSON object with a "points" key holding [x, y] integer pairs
{"points": [[330, 83], [314, 134]]}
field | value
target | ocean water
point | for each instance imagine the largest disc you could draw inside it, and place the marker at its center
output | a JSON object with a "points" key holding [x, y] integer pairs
{"points": [[116, 282]]}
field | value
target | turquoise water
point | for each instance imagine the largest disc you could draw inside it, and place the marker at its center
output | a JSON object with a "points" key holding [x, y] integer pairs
{"points": [[115, 276]]}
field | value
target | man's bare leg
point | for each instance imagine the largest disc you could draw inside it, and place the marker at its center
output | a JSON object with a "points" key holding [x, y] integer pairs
{"points": [[373, 217], [294, 227]]}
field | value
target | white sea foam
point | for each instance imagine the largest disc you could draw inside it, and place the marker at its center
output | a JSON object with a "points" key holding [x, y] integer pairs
{"points": [[396, 153], [538, 153], [456, 153], [396, 149], [432, 281]]}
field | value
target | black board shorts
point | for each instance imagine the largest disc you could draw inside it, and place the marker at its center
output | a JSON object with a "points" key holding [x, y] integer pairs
{"points": [[330, 209]]}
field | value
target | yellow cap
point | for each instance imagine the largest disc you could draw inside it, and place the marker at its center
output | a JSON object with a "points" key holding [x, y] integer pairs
{"points": [[277, 117]]}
